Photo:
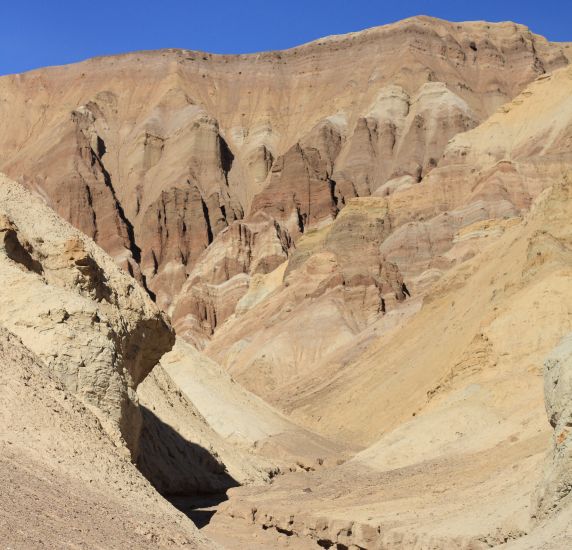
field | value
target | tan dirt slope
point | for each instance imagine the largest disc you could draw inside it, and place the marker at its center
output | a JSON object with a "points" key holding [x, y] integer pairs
{"points": [[449, 395], [204, 432], [51, 494]]}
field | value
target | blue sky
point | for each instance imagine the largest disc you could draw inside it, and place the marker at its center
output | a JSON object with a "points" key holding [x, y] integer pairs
{"points": [[36, 33]]}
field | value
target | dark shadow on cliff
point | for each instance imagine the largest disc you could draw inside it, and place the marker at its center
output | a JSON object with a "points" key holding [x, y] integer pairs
{"points": [[180, 470]]}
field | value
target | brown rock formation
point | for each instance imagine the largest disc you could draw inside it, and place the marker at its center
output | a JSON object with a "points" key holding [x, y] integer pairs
{"points": [[380, 249], [153, 154]]}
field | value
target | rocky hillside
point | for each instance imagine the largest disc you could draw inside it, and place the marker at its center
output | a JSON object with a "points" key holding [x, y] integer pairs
{"points": [[157, 155], [445, 387], [93, 326], [453, 402], [82, 335], [63, 483], [203, 432], [363, 247], [485, 183], [90, 387]]}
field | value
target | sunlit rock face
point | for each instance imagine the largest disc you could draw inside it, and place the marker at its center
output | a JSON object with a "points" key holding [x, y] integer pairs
{"points": [[95, 328], [154, 154]]}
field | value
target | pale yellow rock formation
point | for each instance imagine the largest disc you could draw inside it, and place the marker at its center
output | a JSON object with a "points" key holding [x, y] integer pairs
{"points": [[93, 325]]}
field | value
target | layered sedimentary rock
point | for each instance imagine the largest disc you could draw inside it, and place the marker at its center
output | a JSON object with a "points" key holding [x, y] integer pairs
{"points": [[441, 387], [335, 283], [222, 275], [154, 154], [402, 136], [95, 328], [485, 182], [452, 402]]}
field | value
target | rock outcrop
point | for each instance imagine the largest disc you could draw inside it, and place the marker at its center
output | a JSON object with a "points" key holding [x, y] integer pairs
{"points": [[556, 486], [63, 482], [222, 275], [93, 326], [329, 291], [154, 154]]}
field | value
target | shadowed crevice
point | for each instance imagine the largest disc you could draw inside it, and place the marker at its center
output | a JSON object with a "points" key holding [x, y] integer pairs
{"points": [[17, 252], [176, 466]]}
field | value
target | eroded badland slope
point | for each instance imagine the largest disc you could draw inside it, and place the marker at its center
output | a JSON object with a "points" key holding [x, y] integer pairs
{"points": [[82, 336], [363, 247]]}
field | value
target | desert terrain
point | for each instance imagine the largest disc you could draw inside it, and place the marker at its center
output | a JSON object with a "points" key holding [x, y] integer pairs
{"points": [[311, 298]]}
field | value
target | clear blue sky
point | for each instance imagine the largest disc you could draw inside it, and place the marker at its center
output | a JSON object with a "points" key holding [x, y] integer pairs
{"points": [[36, 33]]}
